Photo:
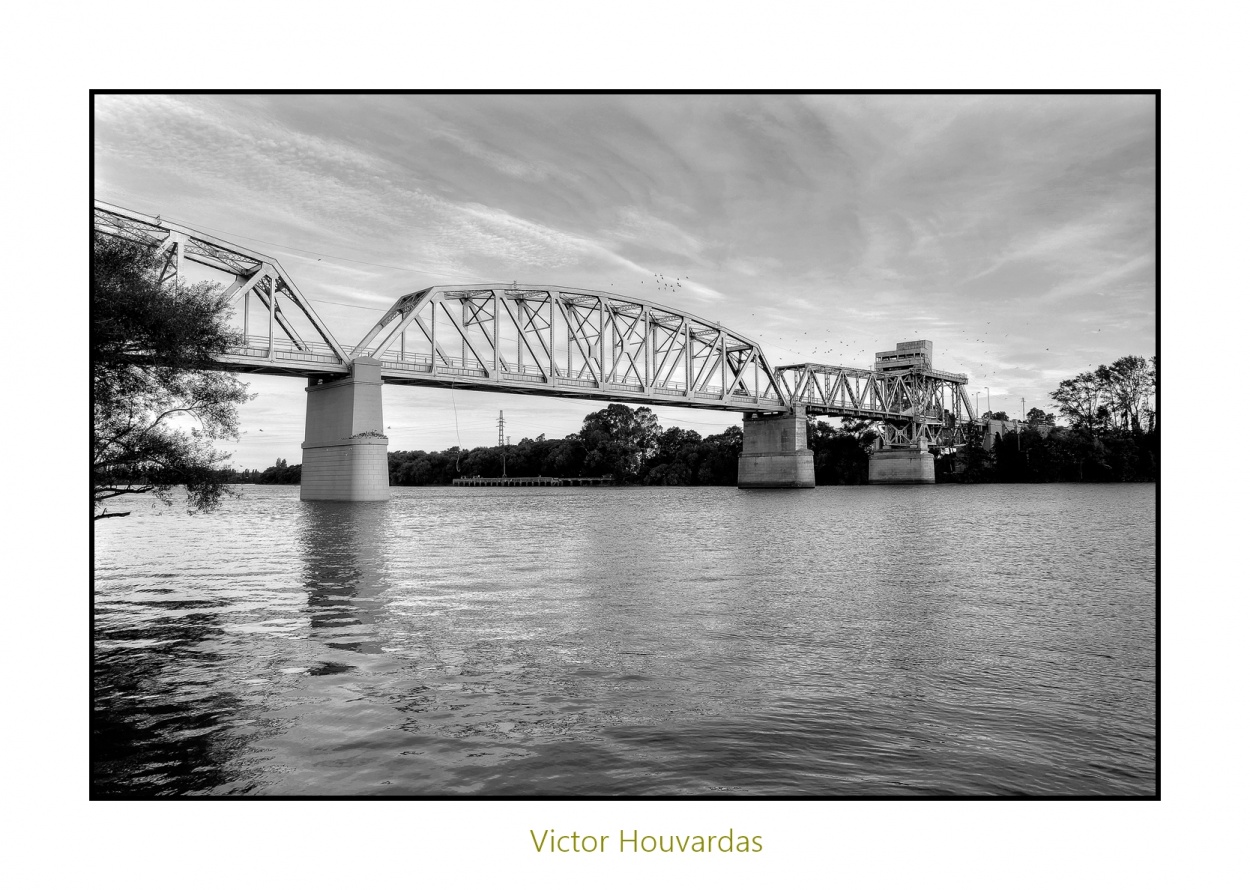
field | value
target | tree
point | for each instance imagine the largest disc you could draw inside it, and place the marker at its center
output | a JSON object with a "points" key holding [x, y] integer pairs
{"points": [[675, 458], [840, 456], [978, 464], [1037, 417], [1080, 400], [156, 409], [1129, 383], [718, 457], [1115, 397], [618, 441], [281, 474]]}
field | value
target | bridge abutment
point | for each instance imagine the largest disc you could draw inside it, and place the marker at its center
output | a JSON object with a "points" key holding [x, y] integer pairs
{"points": [[775, 452], [344, 445], [901, 466]]}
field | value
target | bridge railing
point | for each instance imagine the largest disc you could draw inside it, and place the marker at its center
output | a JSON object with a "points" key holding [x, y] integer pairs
{"points": [[258, 347]]}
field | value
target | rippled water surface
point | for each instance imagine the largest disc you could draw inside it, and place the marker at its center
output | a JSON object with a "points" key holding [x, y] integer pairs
{"points": [[910, 640]]}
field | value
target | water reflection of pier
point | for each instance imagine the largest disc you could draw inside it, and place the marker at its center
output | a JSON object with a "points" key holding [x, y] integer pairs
{"points": [[344, 572]]}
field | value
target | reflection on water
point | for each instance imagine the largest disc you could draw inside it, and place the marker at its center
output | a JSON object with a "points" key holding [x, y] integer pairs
{"points": [[846, 641], [157, 730], [344, 551]]}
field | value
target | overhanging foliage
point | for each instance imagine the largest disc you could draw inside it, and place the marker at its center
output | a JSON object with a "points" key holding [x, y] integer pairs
{"points": [[156, 411]]}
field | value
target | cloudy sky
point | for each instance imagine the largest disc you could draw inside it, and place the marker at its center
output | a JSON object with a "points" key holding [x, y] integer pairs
{"points": [[1016, 232]]}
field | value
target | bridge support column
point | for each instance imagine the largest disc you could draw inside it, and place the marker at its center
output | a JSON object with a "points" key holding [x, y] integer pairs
{"points": [[910, 465], [775, 452], [344, 446]]}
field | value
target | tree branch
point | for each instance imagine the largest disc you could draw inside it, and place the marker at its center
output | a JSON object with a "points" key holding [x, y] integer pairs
{"points": [[106, 492]]}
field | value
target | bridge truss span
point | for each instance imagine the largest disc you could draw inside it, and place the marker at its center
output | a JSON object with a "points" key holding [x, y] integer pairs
{"points": [[281, 332], [570, 342], [912, 405]]}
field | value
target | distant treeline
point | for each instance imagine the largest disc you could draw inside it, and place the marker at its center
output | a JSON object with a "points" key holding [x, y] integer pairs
{"points": [[1113, 437], [629, 445], [279, 474], [1066, 454], [625, 443], [683, 457]]}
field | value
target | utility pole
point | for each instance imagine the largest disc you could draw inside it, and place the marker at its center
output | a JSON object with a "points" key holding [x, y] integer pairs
{"points": [[505, 457], [501, 444]]}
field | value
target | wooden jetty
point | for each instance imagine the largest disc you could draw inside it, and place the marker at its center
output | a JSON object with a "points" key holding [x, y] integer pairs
{"points": [[523, 481]]}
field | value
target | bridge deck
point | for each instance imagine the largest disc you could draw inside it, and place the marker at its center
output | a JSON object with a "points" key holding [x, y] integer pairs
{"points": [[415, 369]]}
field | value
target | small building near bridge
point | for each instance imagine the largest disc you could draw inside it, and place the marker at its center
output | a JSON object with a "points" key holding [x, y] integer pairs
{"points": [[1003, 427]]}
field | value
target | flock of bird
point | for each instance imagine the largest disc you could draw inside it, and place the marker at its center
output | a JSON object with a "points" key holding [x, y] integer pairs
{"points": [[662, 284], [853, 353], [850, 350]]}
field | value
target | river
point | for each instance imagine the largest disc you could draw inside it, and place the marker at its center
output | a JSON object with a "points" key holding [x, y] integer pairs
{"points": [[841, 641]]}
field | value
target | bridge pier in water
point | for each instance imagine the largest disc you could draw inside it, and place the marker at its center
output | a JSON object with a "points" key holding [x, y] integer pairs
{"points": [[911, 465], [775, 452], [344, 444]]}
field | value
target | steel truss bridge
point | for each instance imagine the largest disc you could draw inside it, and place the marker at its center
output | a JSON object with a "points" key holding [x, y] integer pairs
{"points": [[913, 404], [543, 340]]}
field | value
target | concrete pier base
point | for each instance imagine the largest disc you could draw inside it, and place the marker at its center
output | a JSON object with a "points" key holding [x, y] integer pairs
{"points": [[344, 445], [900, 466], [775, 452]]}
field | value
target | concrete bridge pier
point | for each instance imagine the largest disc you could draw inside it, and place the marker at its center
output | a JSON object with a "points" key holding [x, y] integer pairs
{"points": [[775, 452], [344, 445], [908, 465]]}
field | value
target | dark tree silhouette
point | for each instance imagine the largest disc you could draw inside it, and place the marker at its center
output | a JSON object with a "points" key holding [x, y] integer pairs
{"points": [[619, 441], [1037, 417], [150, 345]]}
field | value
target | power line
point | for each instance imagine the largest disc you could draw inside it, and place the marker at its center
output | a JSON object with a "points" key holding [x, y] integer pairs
{"points": [[348, 305]]}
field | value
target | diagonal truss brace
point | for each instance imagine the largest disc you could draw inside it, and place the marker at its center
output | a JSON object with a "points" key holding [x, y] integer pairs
{"points": [[255, 272], [576, 339]]}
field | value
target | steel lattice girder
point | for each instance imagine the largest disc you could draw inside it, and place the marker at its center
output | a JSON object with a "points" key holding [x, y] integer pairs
{"points": [[255, 274], [910, 404], [570, 342], [873, 395]]}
